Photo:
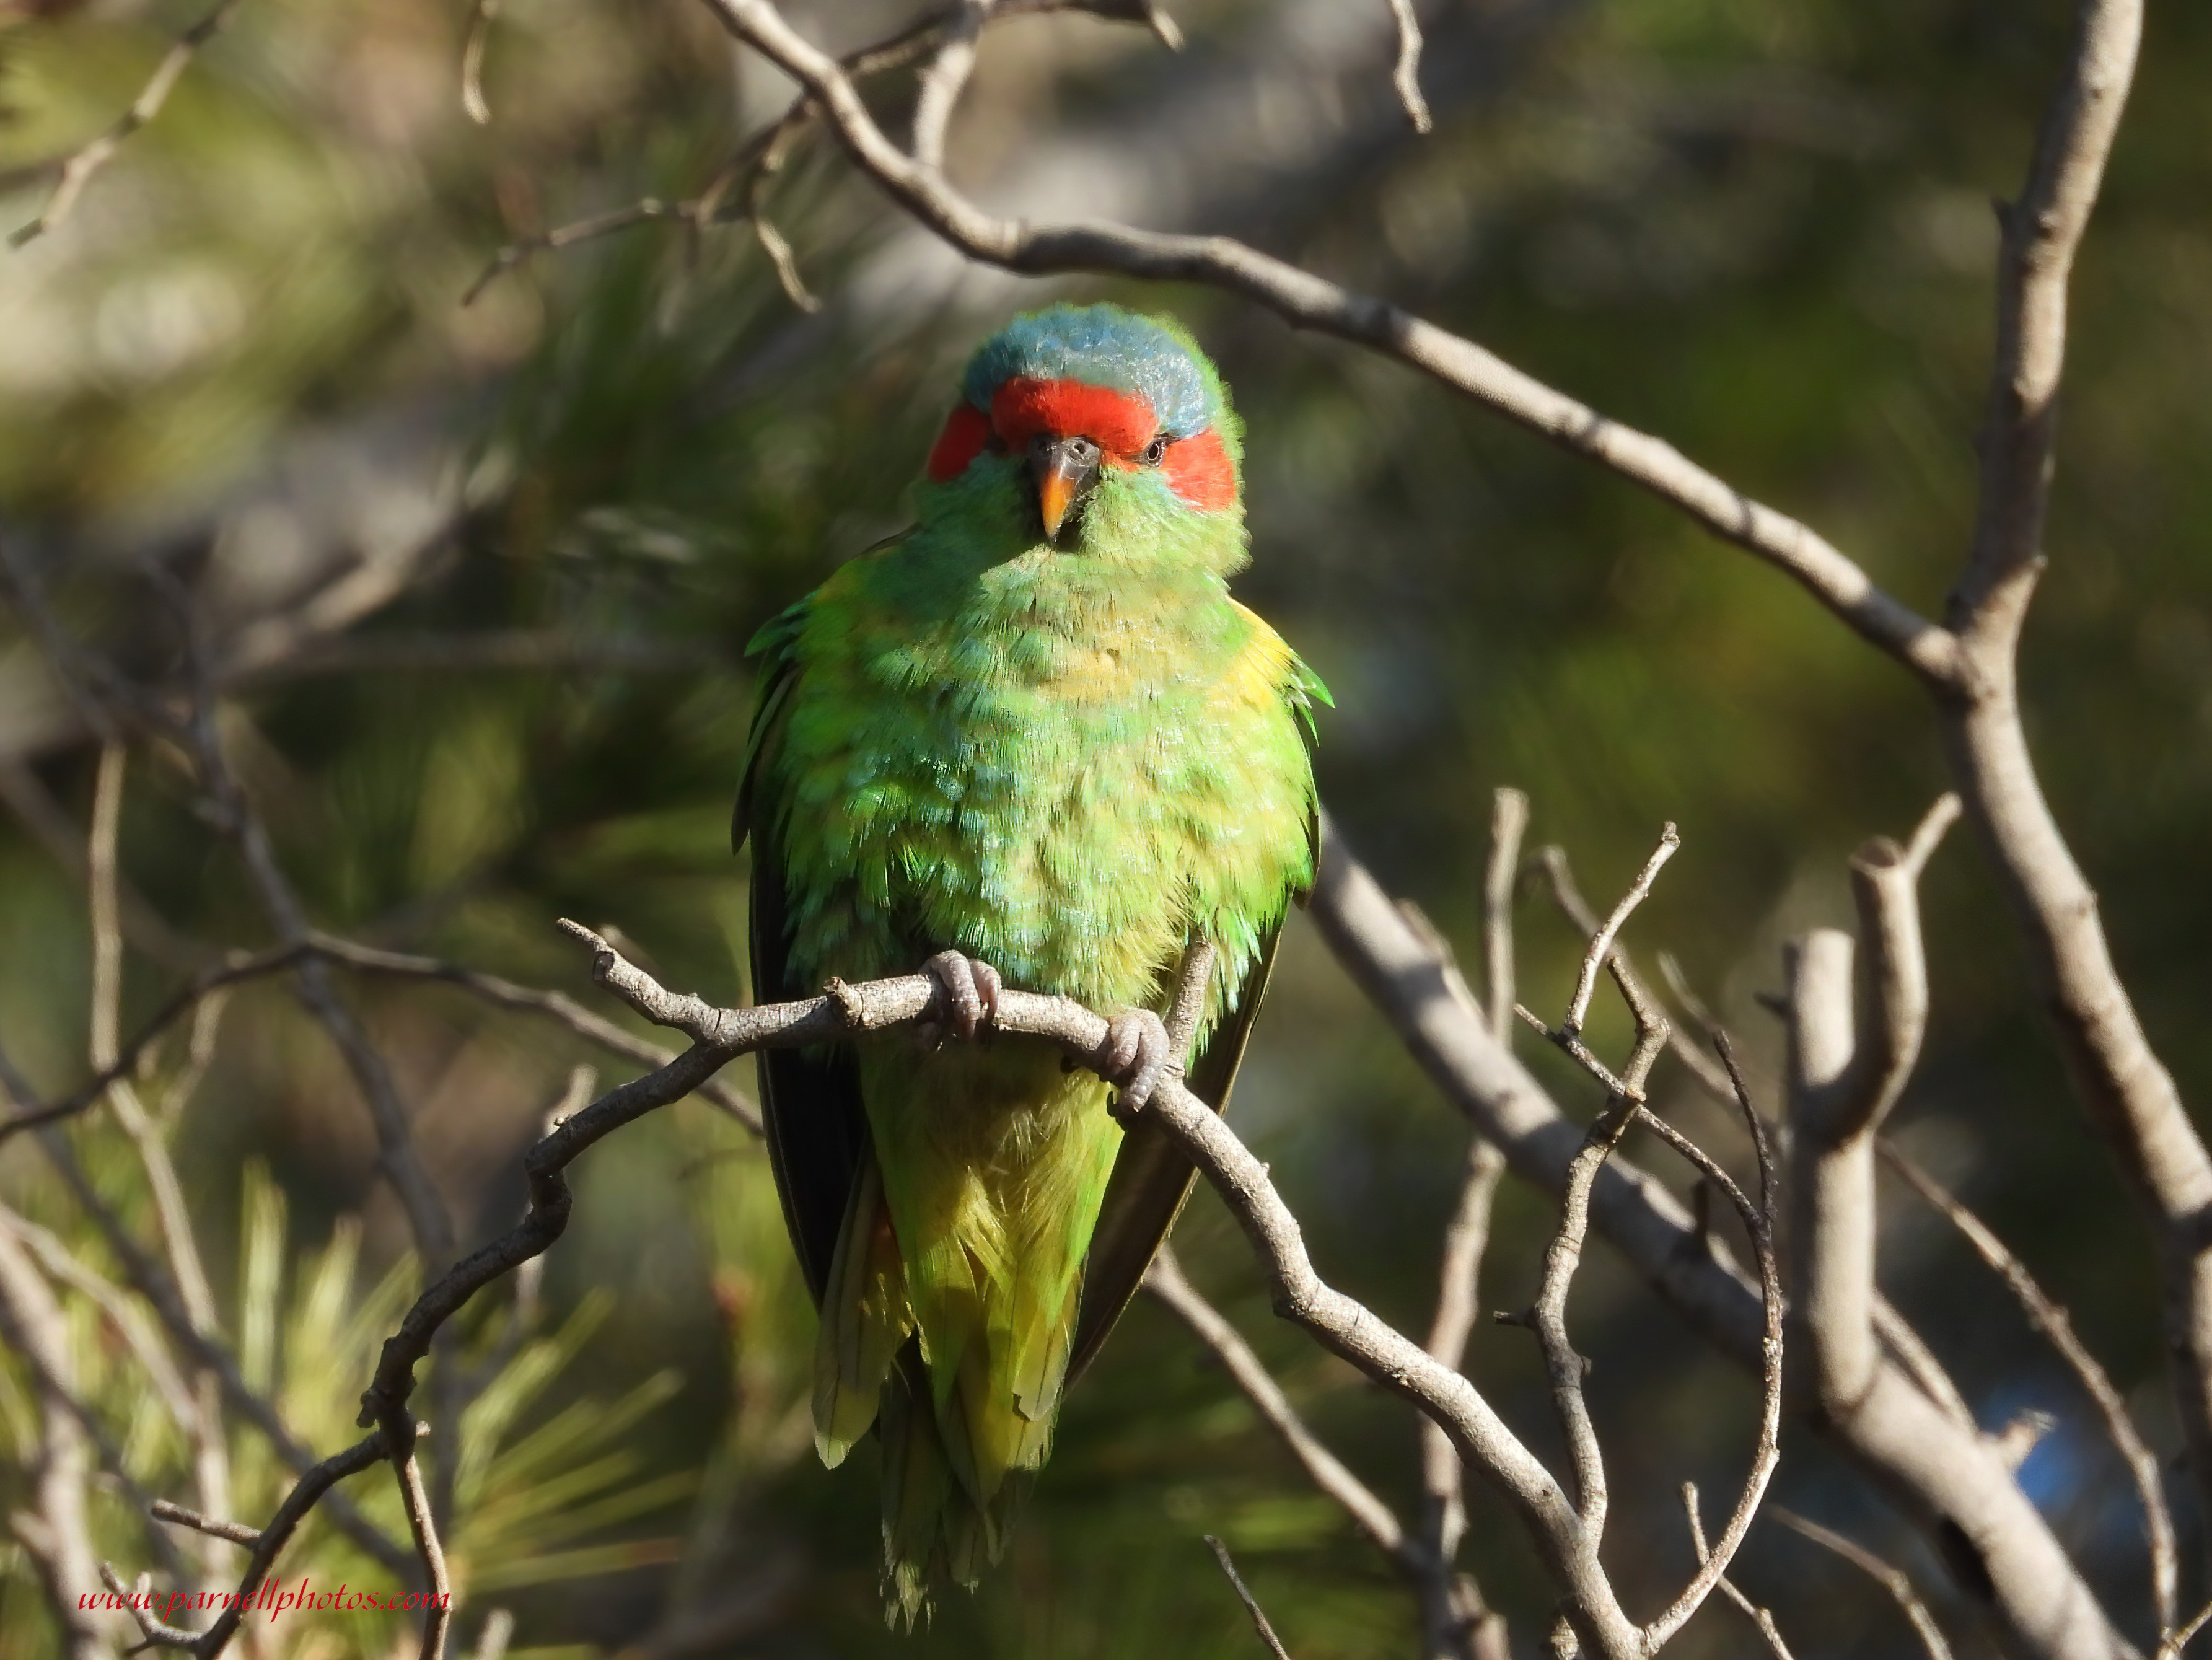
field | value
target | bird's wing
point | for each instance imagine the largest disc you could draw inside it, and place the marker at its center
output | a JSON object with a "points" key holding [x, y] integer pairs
{"points": [[818, 1132], [1153, 1179]]}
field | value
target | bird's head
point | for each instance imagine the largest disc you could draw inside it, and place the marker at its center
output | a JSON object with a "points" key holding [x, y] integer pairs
{"points": [[1101, 428]]}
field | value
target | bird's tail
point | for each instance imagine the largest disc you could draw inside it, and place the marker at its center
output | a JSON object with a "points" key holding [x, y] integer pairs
{"points": [[933, 1529], [960, 1369]]}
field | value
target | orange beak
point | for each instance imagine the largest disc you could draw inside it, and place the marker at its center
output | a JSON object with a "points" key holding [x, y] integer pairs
{"points": [[1056, 495], [1065, 469]]}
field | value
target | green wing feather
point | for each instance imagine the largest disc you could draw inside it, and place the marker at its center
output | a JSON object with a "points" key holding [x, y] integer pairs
{"points": [[817, 1129], [1152, 1179]]}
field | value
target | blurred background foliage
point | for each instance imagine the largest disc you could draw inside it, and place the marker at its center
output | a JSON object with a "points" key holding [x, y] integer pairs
{"points": [[479, 577]]}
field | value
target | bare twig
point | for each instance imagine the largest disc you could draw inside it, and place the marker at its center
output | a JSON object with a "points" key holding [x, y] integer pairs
{"points": [[1891, 1579], [1763, 1618], [79, 169], [138, 1600], [1547, 1318], [1758, 1223], [128, 1320], [944, 77], [1625, 1105], [582, 230], [55, 1528], [1600, 944], [202, 1424], [1456, 1625], [2170, 1648], [502, 993], [237, 1532], [1936, 1465], [1850, 1057], [485, 15], [1904, 1345], [2128, 1091], [1559, 877], [2050, 1318], [1244, 1596], [127, 1056], [1407, 77], [1166, 1282], [270, 1541], [1908, 1349], [1508, 821], [763, 155], [148, 1279], [1452, 1615], [438, 1614], [553, 1005]]}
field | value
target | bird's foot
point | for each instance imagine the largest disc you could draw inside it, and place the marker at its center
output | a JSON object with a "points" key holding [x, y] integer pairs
{"points": [[971, 994], [1134, 1058]]}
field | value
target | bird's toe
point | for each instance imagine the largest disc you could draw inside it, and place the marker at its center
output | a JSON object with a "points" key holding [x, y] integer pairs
{"points": [[1134, 1057], [971, 989]]}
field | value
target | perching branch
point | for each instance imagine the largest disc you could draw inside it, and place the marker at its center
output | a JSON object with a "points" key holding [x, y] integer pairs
{"points": [[846, 1011], [1337, 1322]]}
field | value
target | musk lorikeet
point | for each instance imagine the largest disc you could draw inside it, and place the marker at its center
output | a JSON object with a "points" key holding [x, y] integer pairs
{"points": [[1033, 735]]}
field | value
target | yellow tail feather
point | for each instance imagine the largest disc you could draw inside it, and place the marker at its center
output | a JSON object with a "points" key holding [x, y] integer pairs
{"points": [[865, 1319], [950, 1314]]}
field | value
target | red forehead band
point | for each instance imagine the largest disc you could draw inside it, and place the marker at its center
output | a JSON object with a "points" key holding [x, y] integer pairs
{"points": [[1118, 422], [1197, 468]]}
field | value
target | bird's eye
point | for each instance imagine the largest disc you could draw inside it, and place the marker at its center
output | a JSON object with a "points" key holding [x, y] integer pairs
{"points": [[1157, 450]]}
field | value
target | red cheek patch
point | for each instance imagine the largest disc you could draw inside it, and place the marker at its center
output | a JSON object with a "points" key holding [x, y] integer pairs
{"points": [[1198, 468], [967, 429], [1118, 423]]}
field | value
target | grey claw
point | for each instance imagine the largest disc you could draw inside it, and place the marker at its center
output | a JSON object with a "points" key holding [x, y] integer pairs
{"points": [[1134, 1058], [971, 991], [988, 988]]}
